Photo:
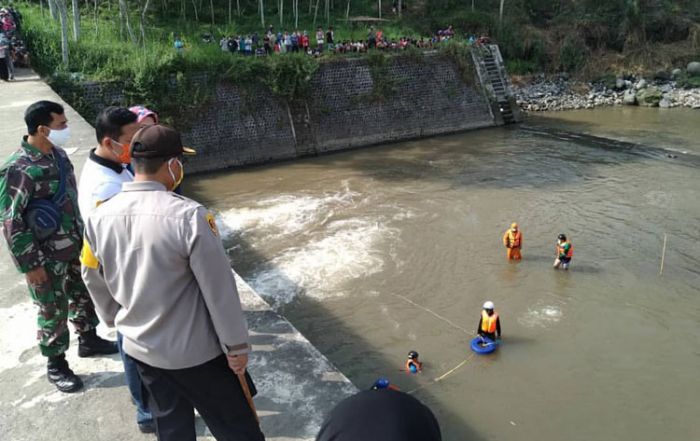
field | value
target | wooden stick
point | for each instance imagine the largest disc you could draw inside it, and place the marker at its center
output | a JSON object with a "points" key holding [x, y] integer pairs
{"points": [[248, 397], [663, 256]]}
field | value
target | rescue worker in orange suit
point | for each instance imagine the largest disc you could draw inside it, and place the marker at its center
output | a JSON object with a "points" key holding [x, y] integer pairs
{"points": [[513, 241], [565, 251], [413, 366], [489, 323]]}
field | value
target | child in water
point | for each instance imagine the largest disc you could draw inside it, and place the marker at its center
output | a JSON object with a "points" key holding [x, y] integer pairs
{"points": [[413, 366]]}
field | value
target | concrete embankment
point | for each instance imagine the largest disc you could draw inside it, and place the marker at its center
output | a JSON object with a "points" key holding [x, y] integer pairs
{"points": [[352, 103], [297, 385]]}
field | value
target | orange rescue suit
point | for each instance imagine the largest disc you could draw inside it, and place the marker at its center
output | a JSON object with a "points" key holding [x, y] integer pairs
{"points": [[513, 242], [488, 322]]}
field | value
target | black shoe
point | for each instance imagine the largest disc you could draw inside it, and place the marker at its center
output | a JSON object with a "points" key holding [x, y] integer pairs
{"points": [[147, 427], [62, 376], [89, 344]]}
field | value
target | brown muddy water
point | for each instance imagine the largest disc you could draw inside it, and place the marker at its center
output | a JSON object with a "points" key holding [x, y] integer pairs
{"points": [[347, 245]]}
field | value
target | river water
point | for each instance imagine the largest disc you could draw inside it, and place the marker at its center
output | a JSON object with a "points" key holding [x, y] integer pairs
{"points": [[375, 252]]}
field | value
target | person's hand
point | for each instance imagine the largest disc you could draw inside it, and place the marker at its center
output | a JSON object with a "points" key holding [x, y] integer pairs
{"points": [[37, 276], [237, 363]]}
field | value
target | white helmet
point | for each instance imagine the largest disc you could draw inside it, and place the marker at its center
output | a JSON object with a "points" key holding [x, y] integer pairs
{"points": [[488, 305]]}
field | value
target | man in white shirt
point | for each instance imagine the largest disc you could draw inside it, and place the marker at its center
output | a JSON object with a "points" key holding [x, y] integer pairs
{"points": [[102, 177], [105, 171]]}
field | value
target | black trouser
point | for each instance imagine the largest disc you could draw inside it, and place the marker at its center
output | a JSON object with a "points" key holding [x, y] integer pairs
{"points": [[211, 388], [4, 69]]}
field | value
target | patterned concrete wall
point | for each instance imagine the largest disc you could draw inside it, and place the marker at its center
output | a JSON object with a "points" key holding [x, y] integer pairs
{"points": [[420, 96]]}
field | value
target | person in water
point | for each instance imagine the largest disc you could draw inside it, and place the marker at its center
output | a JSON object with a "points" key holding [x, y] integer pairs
{"points": [[513, 241], [413, 365], [489, 323], [565, 251]]}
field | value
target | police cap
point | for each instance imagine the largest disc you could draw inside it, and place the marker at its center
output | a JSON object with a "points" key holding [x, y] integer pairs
{"points": [[156, 141]]}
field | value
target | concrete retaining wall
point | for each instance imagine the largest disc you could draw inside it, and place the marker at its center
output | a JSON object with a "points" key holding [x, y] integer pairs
{"points": [[428, 95]]}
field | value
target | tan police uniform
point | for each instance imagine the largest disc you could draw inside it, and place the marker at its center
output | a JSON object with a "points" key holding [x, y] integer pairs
{"points": [[156, 269], [159, 268]]}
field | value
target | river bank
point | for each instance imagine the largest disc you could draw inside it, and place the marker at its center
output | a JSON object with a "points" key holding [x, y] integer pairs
{"points": [[542, 93]]}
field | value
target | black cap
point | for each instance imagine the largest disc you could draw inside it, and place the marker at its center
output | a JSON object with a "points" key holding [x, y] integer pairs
{"points": [[156, 141]]}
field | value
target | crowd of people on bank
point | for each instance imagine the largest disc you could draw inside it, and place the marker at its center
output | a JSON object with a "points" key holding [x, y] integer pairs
{"points": [[12, 49], [322, 41]]}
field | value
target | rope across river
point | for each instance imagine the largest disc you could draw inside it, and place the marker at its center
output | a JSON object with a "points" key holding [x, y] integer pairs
{"points": [[449, 322]]}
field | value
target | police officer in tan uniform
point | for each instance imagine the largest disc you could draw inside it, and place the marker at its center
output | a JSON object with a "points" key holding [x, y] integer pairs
{"points": [[156, 269]]}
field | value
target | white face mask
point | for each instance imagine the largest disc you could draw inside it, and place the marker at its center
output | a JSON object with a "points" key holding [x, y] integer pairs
{"points": [[59, 138]]}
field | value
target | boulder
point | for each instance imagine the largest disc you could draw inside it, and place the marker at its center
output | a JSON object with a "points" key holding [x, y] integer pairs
{"points": [[675, 73], [662, 75], [665, 103], [619, 84], [629, 98], [649, 97], [693, 68], [641, 84]]}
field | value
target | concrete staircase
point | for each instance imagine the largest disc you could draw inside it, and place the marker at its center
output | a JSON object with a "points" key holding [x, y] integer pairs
{"points": [[498, 82], [494, 80]]}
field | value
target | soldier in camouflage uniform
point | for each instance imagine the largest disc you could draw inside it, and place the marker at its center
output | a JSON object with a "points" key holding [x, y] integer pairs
{"points": [[50, 264]]}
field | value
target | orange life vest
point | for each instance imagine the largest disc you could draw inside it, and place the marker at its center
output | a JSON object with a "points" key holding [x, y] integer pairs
{"points": [[560, 250], [488, 322], [512, 240]]}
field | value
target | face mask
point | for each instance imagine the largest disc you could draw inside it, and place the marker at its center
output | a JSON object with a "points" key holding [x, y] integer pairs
{"points": [[125, 156], [59, 138], [176, 182]]}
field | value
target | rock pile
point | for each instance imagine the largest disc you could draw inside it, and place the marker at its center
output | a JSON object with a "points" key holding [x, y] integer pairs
{"points": [[559, 93]]}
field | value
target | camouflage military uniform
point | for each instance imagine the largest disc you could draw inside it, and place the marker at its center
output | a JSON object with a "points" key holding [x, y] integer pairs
{"points": [[30, 174]]}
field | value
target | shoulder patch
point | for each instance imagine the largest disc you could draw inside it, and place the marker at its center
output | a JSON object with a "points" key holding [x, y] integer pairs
{"points": [[87, 257], [212, 224]]}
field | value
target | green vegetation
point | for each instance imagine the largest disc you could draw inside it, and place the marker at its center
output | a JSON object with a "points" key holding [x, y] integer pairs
{"points": [[587, 38]]}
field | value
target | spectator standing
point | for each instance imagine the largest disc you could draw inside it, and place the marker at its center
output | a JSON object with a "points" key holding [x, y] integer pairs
{"points": [[266, 43], [223, 44], [184, 282], [287, 42], [101, 179], [5, 59], [319, 38], [371, 38], [329, 37], [305, 41], [295, 41], [232, 44], [7, 22], [45, 247]]}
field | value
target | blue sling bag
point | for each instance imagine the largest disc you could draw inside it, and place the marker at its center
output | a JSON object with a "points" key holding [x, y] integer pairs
{"points": [[43, 216]]}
